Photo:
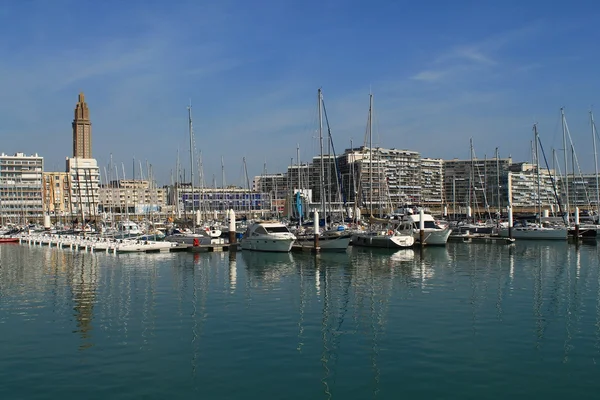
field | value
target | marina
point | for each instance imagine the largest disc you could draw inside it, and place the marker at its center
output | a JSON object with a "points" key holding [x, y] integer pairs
{"points": [[276, 200], [474, 318]]}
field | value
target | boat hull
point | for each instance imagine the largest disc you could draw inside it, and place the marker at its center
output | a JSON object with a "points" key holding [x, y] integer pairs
{"points": [[383, 241], [144, 247], [188, 239], [278, 245], [535, 233], [333, 243], [433, 237]]}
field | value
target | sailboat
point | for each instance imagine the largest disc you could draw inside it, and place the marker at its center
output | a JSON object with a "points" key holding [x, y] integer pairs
{"points": [[329, 239], [382, 238], [533, 231]]}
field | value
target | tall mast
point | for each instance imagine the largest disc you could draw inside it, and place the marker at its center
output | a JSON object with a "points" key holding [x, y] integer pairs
{"points": [[191, 131], [573, 157], [202, 206], [497, 180], [322, 178], [354, 194], [127, 195], [538, 205], [564, 129], [247, 184], [484, 188], [222, 172], [471, 176], [223, 182], [596, 166], [113, 202], [298, 163], [299, 177], [290, 189], [370, 154], [178, 182]]}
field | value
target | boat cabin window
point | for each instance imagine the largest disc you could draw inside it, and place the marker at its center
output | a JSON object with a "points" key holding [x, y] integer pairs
{"points": [[428, 225], [260, 230], [277, 229]]}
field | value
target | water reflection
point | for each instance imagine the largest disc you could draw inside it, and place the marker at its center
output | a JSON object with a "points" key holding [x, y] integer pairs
{"points": [[269, 268], [363, 313], [232, 271], [83, 279]]}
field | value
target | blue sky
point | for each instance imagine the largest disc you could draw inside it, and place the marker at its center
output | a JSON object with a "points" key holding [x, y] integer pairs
{"points": [[441, 72]]}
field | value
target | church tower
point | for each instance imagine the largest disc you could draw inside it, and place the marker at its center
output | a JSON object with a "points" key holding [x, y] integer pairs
{"points": [[82, 130]]}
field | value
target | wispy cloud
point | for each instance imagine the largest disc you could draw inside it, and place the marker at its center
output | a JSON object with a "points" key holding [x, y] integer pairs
{"points": [[476, 57]]}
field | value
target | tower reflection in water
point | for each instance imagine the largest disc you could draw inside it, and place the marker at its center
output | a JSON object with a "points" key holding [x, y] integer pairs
{"points": [[83, 283]]}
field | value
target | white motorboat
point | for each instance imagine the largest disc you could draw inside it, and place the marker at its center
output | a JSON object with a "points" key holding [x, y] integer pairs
{"points": [[435, 235], [127, 229], [268, 236]]}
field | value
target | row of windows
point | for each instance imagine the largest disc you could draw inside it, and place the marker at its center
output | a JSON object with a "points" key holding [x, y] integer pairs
{"points": [[186, 197]]}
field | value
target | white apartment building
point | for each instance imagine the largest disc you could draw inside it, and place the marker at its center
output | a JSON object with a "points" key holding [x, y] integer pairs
{"points": [[432, 182], [21, 187], [85, 177]]}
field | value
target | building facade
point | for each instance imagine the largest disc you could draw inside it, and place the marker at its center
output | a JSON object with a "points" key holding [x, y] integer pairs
{"points": [[132, 197], [478, 184], [84, 176], [432, 182], [21, 187], [56, 194], [526, 193], [215, 201], [276, 185]]}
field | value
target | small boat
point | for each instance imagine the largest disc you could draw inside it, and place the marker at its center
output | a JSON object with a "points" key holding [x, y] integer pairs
{"points": [[9, 240], [127, 229], [268, 236], [188, 237], [334, 239], [435, 235], [535, 232]]}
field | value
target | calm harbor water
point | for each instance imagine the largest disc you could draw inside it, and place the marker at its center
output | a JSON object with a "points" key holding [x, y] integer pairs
{"points": [[462, 322]]}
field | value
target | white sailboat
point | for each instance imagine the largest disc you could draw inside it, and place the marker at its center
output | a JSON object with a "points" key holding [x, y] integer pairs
{"points": [[381, 238], [329, 239], [532, 231]]}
